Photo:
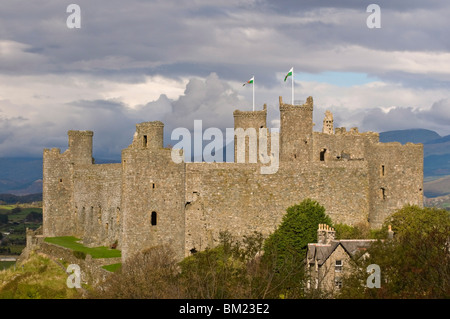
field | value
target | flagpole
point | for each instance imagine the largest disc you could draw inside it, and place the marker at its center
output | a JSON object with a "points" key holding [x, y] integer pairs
{"points": [[253, 93], [292, 86]]}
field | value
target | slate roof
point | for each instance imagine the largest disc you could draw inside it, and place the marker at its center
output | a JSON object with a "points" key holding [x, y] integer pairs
{"points": [[321, 252]]}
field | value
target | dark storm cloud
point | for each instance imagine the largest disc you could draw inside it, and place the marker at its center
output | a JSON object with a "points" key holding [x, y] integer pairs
{"points": [[212, 44]]}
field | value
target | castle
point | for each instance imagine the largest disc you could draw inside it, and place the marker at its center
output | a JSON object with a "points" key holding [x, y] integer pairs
{"points": [[148, 199]]}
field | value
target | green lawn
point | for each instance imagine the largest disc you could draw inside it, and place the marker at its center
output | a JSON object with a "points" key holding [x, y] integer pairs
{"points": [[112, 267], [71, 243]]}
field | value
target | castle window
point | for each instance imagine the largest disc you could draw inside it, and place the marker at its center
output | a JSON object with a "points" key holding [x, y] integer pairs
{"points": [[60, 180], [144, 141], [153, 185], [322, 154], [154, 219], [382, 170], [382, 193]]}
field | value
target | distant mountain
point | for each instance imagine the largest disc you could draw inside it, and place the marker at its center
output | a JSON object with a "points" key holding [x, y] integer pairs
{"points": [[13, 199], [436, 148], [412, 136], [444, 139], [23, 176]]}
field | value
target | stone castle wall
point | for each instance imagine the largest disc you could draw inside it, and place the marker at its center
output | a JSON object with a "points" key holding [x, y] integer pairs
{"points": [[148, 199], [237, 198]]}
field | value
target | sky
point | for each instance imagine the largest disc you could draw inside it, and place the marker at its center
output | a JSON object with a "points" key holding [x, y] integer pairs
{"points": [[179, 61]]}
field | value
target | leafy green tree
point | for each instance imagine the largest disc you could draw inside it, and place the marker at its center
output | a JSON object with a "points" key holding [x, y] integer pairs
{"points": [[285, 249], [414, 263], [3, 219], [297, 229]]}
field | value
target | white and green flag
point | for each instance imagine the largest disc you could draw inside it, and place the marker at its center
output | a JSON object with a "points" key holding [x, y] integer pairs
{"points": [[249, 81], [252, 81], [289, 74]]}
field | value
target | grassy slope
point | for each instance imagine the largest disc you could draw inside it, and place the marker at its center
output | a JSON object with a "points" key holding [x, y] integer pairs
{"points": [[39, 278]]}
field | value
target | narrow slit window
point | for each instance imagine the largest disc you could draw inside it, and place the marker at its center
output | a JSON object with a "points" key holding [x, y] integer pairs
{"points": [[382, 171], [144, 141], [322, 154], [154, 219], [383, 193]]}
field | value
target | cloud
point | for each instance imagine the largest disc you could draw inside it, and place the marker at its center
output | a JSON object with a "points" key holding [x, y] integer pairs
{"points": [[178, 62]]}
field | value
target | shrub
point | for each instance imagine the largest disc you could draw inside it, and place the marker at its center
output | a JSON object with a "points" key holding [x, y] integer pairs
{"points": [[79, 254]]}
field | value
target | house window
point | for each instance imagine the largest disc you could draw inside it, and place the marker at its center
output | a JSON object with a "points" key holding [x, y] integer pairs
{"points": [[338, 266], [338, 283], [154, 219]]}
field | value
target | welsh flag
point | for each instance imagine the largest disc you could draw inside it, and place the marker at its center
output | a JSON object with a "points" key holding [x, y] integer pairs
{"points": [[249, 81], [289, 74]]}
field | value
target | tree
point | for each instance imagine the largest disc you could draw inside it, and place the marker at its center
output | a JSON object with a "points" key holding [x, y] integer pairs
{"points": [[150, 274], [413, 264], [297, 229], [285, 249], [16, 210], [3, 219], [33, 217]]}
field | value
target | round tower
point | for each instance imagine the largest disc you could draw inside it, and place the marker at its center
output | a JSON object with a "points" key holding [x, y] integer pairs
{"points": [[296, 130], [248, 123]]}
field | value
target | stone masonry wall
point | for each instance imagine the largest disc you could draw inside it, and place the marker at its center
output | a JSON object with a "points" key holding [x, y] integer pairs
{"points": [[396, 179], [237, 198], [96, 204]]}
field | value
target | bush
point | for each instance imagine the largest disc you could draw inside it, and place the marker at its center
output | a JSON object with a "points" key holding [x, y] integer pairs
{"points": [[414, 264], [79, 254]]}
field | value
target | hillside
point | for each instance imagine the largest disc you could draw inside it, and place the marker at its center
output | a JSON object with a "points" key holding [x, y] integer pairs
{"points": [[437, 187], [436, 149], [411, 135], [37, 278]]}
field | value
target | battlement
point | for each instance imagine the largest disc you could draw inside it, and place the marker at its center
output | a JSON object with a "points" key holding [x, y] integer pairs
{"points": [[307, 106], [149, 135], [150, 199]]}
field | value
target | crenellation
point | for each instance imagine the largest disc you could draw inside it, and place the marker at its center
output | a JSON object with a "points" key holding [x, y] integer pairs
{"points": [[149, 200]]}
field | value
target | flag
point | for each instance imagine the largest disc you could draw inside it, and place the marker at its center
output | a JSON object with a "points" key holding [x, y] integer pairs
{"points": [[249, 81], [289, 74]]}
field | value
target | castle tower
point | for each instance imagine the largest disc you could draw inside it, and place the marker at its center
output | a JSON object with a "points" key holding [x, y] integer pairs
{"points": [[149, 135], [80, 146], [249, 120], [153, 193], [328, 125], [296, 130]]}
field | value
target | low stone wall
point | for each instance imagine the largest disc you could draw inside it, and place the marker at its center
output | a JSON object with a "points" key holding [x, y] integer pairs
{"points": [[91, 271]]}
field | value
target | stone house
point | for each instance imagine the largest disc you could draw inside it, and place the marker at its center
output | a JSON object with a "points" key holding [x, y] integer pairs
{"points": [[329, 260]]}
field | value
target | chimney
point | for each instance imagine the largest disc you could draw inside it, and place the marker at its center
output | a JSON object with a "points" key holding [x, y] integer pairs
{"points": [[321, 234], [325, 234]]}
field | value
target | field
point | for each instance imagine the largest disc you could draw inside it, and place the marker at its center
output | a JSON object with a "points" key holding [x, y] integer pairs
{"points": [[14, 219]]}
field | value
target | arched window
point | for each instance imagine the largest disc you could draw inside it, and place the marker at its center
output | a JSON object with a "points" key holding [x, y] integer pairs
{"points": [[154, 219]]}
